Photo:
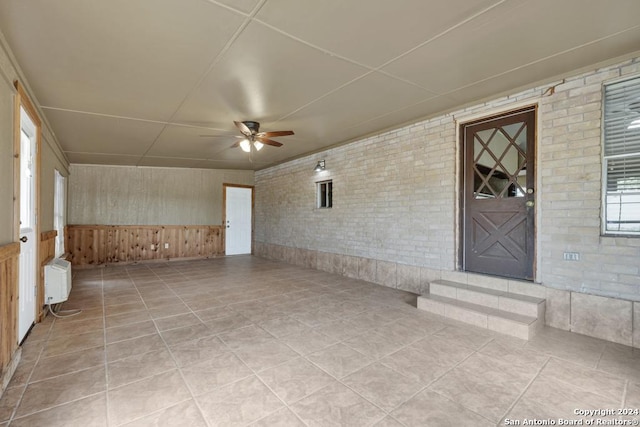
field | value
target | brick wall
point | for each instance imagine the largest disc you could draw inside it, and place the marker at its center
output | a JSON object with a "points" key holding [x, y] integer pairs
{"points": [[395, 198]]}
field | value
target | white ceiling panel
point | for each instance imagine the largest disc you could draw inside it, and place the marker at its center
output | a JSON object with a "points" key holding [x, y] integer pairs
{"points": [[509, 36], [264, 76], [371, 96], [124, 82], [369, 32], [129, 58], [90, 133]]}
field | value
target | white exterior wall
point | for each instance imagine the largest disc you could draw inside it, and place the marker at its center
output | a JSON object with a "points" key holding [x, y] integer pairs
{"points": [[395, 205]]}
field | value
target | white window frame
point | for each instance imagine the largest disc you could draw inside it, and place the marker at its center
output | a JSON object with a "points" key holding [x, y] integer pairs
{"points": [[327, 201], [614, 151], [59, 210]]}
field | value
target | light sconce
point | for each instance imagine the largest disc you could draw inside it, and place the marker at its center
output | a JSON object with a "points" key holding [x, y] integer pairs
{"points": [[319, 167]]}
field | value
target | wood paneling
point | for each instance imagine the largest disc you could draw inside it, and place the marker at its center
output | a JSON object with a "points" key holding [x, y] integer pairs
{"points": [[106, 244], [46, 252], [9, 255]]}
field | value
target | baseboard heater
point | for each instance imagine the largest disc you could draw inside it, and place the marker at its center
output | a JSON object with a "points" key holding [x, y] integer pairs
{"points": [[57, 281]]}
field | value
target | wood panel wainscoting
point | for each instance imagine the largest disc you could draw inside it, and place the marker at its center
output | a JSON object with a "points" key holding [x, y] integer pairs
{"points": [[46, 252], [108, 244], [9, 351]]}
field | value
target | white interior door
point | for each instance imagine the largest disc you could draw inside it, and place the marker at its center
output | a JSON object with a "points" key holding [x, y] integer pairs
{"points": [[238, 220], [27, 272]]}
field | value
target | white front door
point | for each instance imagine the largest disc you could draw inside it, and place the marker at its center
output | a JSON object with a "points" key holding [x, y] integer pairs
{"points": [[27, 272], [238, 220]]}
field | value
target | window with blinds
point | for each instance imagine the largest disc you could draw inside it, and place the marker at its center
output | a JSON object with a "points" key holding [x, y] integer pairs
{"points": [[621, 158]]}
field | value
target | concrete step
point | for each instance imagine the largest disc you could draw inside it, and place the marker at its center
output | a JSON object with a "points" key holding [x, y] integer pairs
{"points": [[505, 322], [505, 301]]}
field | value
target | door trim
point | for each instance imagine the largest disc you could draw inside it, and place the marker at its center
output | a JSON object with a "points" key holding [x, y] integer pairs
{"points": [[224, 213], [493, 114], [22, 99]]}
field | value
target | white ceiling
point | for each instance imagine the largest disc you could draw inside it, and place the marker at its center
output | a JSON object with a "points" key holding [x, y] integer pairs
{"points": [[137, 82]]}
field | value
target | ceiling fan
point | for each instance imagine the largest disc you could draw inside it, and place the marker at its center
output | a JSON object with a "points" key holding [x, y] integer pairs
{"points": [[252, 137]]}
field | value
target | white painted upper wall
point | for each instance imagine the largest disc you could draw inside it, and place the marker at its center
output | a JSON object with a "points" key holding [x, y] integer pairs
{"points": [[395, 195], [126, 195]]}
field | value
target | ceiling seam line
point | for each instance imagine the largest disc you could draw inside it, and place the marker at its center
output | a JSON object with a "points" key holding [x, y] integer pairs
{"points": [[213, 63]]}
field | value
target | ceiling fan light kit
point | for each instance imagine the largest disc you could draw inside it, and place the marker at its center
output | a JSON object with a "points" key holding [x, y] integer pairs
{"points": [[253, 138]]}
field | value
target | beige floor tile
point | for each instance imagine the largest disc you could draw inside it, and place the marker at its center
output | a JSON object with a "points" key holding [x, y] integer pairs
{"points": [[23, 373], [142, 398], [59, 390], [75, 342], [87, 412], [339, 360], [342, 329], [281, 418], [431, 409], [10, 399], [212, 313], [198, 350], [620, 360], [567, 346], [239, 404], [215, 372], [224, 324], [171, 310], [179, 321], [127, 319], [466, 336], [75, 327], [249, 335], [130, 307], [295, 379], [336, 405], [139, 366], [187, 333], [592, 380], [308, 341], [633, 395], [374, 344], [200, 303], [548, 397], [145, 344], [485, 385], [283, 326], [183, 414], [127, 332], [265, 354], [70, 362], [382, 386]]}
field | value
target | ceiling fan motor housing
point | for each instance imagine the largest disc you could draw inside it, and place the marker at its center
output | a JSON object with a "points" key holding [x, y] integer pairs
{"points": [[253, 126]]}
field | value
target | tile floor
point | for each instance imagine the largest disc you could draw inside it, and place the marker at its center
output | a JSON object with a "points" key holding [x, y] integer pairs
{"points": [[247, 341]]}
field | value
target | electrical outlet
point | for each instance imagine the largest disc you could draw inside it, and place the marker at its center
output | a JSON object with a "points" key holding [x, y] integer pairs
{"points": [[166, 246], [572, 256], [152, 246]]}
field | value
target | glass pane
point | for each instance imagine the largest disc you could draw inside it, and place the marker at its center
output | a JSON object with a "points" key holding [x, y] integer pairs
{"points": [[26, 195]]}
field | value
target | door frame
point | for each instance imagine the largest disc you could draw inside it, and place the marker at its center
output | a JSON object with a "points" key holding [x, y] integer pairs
{"points": [[489, 114], [224, 212], [22, 99]]}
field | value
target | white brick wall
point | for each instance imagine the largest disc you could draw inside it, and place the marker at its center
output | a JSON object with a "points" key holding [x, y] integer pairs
{"points": [[395, 194]]}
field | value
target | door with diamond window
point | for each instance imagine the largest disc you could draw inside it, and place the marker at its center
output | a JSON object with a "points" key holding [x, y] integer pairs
{"points": [[499, 195]]}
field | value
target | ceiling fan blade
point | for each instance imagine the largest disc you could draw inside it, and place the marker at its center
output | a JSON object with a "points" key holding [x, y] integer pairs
{"points": [[236, 144], [275, 133], [268, 141], [243, 128]]}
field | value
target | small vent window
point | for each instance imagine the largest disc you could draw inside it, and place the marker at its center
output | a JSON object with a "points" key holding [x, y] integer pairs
{"points": [[325, 194]]}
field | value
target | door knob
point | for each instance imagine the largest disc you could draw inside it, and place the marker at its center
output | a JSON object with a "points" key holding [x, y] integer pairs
{"points": [[24, 239], [529, 204]]}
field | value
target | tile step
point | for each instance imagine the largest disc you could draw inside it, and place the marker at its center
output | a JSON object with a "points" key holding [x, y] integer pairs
{"points": [[501, 300], [505, 322]]}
